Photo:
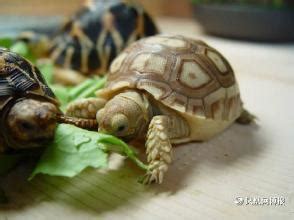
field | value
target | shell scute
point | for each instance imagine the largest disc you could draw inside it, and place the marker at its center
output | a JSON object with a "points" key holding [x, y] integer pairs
{"points": [[19, 78], [168, 42], [218, 61], [160, 90], [152, 63], [193, 75]]}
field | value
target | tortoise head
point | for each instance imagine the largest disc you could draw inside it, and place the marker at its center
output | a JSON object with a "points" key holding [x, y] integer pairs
{"points": [[125, 116], [31, 122]]}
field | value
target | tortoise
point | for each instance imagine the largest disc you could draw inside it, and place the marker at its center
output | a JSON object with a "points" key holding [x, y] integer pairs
{"points": [[29, 110], [87, 43], [169, 89]]}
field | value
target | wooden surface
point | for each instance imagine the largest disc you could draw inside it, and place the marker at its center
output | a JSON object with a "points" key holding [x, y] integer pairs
{"points": [[205, 178]]}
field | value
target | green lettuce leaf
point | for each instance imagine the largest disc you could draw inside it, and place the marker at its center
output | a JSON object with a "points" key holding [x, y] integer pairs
{"points": [[72, 150], [22, 49], [46, 68], [87, 88], [62, 94], [75, 149], [18, 47], [6, 42]]}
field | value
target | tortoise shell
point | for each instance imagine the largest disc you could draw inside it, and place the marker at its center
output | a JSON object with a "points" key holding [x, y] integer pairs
{"points": [[184, 74], [20, 79], [92, 38]]}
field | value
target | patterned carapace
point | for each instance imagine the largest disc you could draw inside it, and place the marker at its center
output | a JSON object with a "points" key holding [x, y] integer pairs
{"points": [[20, 79], [184, 74], [90, 40]]}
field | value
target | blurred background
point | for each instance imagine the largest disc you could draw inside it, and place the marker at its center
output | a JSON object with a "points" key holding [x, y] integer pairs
{"points": [[56, 7], [265, 20]]}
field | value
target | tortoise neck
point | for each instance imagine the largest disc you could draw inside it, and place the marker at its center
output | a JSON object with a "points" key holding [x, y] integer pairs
{"points": [[141, 99]]}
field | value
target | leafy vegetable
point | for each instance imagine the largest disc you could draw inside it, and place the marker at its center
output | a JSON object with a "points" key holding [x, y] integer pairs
{"points": [[112, 143], [46, 68], [18, 47], [22, 49], [85, 90], [75, 149], [88, 88], [77, 90], [67, 94], [62, 94], [6, 42]]}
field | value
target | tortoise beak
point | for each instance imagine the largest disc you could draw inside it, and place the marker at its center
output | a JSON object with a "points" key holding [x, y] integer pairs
{"points": [[46, 113]]}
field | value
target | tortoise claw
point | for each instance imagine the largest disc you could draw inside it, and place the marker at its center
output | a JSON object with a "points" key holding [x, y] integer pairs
{"points": [[155, 173]]}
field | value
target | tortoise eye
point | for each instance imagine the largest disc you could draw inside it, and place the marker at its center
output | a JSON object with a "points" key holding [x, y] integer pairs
{"points": [[119, 123]]}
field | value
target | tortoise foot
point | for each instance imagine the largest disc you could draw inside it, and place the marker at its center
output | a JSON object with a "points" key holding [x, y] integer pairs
{"points": [[155, 173], [246, 118]]}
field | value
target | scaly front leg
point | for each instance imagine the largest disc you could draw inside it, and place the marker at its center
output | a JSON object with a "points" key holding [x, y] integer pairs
{"points": [[85, 108], [158, 149]]}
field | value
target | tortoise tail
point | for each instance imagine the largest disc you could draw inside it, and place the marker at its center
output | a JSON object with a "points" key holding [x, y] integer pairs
{"points": [[89, 124]]}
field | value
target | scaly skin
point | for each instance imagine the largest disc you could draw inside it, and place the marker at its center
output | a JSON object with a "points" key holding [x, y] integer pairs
{"points": [[158, 149], [85, 108]]}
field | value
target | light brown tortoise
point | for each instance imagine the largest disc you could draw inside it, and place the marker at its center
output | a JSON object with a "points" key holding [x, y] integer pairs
{"points": [[169, 90]]}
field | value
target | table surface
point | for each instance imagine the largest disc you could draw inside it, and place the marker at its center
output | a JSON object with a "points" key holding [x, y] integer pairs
{"points": [[250, 162]]}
